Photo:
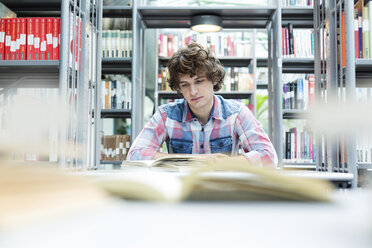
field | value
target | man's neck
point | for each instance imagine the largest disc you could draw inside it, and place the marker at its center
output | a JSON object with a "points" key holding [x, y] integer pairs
{"points": [[203, 114]]}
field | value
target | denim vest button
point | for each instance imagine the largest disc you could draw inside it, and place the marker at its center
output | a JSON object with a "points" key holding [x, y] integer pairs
{"points": [[221, 144]]}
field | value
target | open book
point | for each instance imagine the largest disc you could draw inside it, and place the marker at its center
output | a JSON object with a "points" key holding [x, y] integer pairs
{"points": [[178, 163], [232, 178]]}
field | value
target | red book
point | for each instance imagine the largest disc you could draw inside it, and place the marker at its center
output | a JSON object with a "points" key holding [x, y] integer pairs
{"points": [[37, 38], [287, 41], [2, 39], [13, 43], [43, 42], [311, 80], [8, 39], [229, 45], [18, 38], [55, 35], [49, 38], [170, 45], [22, 39], [30, 39]]}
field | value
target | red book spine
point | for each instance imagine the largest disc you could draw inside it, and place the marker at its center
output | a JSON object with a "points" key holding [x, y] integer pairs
{"points": [[49, 38], [43, 42], [287, 41], [18, 38], [8, 39], [170, 45], [311, 80], [37, 38], [30, 39], [13, 44], [356, 33], [56, 32], [2, 39], [22, 39]]}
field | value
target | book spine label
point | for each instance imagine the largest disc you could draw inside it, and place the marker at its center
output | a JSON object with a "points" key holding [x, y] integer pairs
{"points": [[13, 43], [18, 39], [8, 39], [22, 40], [30, 39], [49, 38], [55, 36], [43, 42], [36, 38]]}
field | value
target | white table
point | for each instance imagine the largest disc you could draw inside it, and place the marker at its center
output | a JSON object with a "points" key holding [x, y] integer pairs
{"points": [[347, 222]]}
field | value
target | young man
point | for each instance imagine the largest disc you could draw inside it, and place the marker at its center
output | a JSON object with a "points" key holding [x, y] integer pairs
{"points": [[201, 122]]}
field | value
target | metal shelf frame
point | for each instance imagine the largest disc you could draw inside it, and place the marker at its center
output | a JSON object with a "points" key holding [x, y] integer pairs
{"points": [[116, 113], [328, 17], [232, 17]]}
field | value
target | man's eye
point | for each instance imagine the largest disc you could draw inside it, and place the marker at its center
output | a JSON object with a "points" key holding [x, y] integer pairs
{"points": [[183, 85], [199, 81]]}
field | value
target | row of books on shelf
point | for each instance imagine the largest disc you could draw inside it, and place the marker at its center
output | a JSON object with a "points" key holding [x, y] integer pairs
{"points": [[116, 43], [298, 3], [297, 43], [222, 44], [116, 23], [115, 147], [236, 79], [364, 149], [299, 94], [116, 94], [29, 38], [362, 27], [299, 146]]}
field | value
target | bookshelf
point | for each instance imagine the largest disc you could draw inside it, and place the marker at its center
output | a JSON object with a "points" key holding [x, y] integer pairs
{"points": [[355, 73], [74, 78], [301, 18], [238, 62], [114, 66]]}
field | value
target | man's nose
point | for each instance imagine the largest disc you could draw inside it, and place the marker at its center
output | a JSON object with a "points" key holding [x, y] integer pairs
{"points": [[193, 90]]}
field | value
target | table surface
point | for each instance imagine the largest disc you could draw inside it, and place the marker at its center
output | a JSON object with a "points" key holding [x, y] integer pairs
{"points": [[345, 222]]}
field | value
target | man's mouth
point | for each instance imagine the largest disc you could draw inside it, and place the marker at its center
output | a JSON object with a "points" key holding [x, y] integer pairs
{"points": [[196, 99]]}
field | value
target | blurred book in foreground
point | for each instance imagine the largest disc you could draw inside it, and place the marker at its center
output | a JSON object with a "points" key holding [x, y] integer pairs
{"points": [[32, 192], [227, 179]]}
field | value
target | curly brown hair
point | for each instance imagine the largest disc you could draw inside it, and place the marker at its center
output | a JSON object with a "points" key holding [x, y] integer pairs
{"points": [[195, 60]]}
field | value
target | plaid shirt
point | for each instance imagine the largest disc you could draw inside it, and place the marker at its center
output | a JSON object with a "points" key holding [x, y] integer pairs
{"points": [[231, 123]]}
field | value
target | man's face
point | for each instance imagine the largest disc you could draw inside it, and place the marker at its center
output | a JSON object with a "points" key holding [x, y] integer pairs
{"points": [[198, 92]]}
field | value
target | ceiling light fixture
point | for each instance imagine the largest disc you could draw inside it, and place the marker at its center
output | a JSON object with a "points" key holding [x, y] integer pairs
{"points": [[206, 23]]}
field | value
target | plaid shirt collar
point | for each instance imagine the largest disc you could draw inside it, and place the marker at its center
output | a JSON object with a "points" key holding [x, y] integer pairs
{"points": [[216, 111]]}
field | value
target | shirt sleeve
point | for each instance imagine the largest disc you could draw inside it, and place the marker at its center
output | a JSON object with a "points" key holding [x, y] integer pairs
{"points": [[256, 145], [150, 139]]}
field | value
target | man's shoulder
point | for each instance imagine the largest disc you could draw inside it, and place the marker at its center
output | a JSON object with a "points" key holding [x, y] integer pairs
{"points": [[174, 110], [229, 106]]}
